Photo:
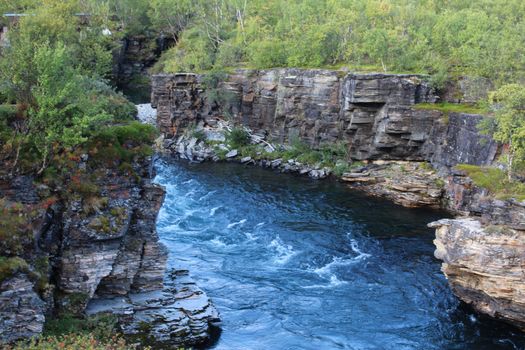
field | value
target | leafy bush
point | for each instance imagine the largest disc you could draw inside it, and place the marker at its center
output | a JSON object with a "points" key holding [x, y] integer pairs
{"points": [[237, 137], [479, 38], [7, 112], [122, 143]]}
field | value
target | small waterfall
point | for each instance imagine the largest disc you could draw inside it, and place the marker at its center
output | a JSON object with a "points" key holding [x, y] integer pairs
{"points": [[146, 113]]}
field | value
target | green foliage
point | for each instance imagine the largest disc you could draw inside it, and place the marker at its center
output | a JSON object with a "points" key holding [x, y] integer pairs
{"points": [[16, 231], [122, 143], [480, 38], [342, 167], [237, 138], [11, 266], [101, 327], [52, 70], [73, 342], [169, 16], [7, 112], [509, 122], [447, 108], [495, 181], [72, 333], [326, 155]]}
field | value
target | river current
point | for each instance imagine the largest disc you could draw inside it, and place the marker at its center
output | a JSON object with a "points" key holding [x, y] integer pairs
{"points": [[293, 263]]}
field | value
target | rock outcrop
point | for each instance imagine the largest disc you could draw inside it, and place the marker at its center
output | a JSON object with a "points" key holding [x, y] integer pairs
{"points": [[375, 115], [21, 309], [179, 314], [370, 113], [410, 184], [101, 247], [485, 266]]}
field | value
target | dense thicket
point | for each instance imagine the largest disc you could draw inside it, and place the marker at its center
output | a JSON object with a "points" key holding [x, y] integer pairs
{"points": [[483, 38], [53, 73]]}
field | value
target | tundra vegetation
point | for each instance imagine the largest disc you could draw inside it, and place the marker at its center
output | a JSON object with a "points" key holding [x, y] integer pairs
{"points": [[57, 102]]}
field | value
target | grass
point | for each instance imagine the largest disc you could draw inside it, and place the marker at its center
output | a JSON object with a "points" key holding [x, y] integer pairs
{"points": [[495, 181], [447, 108]]}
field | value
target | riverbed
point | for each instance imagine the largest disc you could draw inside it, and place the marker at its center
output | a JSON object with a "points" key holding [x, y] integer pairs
{"points": [[294, 263]]}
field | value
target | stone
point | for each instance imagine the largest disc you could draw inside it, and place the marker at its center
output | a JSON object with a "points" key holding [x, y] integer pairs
{"points": [[180, 314], [405, 183], [484, 266], [21, 310], [232, 154], [246, 160], [276, 163]]}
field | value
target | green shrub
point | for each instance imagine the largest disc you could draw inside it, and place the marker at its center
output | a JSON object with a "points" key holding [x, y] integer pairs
{"points": [[102, 327], [237, 137], [122, 143], [342, 167], [7, 112]]}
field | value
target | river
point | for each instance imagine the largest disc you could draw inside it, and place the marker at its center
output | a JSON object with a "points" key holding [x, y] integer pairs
{"points": [[293, 263]]}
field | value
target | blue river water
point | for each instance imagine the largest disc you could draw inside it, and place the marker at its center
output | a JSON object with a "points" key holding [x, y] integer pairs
{"points": [[293, 263]]}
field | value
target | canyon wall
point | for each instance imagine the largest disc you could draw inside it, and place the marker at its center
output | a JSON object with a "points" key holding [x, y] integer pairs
{"points": [[377, 117], [102, 255], [373, 114]]}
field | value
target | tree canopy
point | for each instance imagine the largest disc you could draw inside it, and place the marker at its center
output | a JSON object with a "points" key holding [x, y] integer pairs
{"points": [[482, 38]]}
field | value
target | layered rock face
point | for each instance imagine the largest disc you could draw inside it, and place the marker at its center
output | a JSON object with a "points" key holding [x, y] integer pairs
{"points": [[371, 113], [102, 248], [485, 266], [21, 310]]}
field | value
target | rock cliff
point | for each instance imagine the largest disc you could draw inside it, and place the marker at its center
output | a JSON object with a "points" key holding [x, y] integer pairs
{"points": [[97, 249], [377, 117]]}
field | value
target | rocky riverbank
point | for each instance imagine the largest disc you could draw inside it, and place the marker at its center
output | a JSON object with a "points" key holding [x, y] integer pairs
{"points": [[86, 243], [397, 150]]}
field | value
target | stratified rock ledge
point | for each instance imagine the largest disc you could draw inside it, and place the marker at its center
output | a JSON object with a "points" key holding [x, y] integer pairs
{"points": [[485, 266], [180, 314]]}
